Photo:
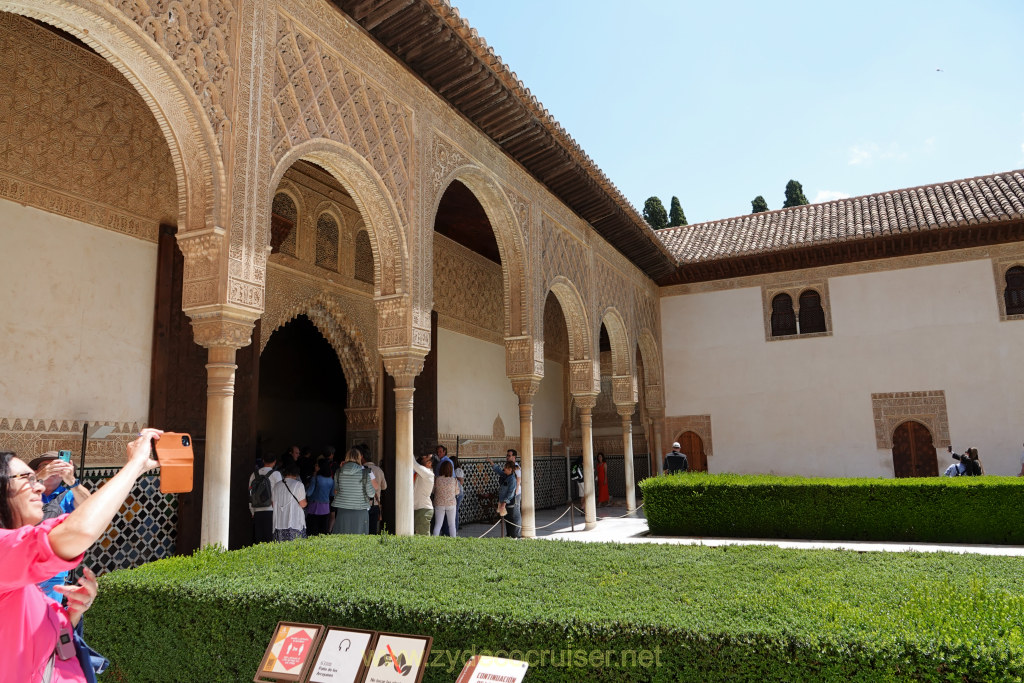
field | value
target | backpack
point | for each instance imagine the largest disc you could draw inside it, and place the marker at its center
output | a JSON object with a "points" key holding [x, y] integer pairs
{"points": [[259, 490]]}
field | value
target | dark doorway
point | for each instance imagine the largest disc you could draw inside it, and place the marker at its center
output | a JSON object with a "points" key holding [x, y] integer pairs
{"points": [[692, 446], [303, 393], [913, 453]]}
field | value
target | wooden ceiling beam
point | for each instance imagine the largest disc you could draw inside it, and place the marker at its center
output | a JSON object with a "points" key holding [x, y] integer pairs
{"points": [[384, 12]]}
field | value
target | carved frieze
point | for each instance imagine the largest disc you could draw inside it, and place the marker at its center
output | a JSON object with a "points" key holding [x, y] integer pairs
{"points": [[444, 157], [31, 437]]}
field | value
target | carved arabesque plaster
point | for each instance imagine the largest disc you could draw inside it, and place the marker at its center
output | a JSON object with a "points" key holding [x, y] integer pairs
{"points": [[77, 140], [927, 407], [467, 291], [31, 437]]}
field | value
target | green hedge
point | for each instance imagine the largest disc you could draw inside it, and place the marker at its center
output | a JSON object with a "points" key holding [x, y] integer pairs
{"points": [[688, 613], [940, 510]]}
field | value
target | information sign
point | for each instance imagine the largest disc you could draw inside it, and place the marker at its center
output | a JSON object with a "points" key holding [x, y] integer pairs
{"points": [[343, 657], [290, 652], [398, 658], [481, 669]]}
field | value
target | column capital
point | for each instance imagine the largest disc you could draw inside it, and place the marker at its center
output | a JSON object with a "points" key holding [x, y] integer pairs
{"points": [[222, 326], [585, 402], [625, 410], [404, 366], [525, 387]]}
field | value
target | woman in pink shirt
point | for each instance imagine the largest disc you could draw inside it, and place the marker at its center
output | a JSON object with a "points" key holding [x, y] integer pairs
{"points": [[35, 630]]}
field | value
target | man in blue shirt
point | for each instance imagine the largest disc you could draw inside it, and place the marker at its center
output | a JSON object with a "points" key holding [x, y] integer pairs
{"points": [[507, 484], [63, 493]]}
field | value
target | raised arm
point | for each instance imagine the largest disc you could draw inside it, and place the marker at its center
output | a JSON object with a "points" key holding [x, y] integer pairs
{"points": [[92, 517]]}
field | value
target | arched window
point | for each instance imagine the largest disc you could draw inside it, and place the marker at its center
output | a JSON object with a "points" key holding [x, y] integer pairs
{"points": [[812, 316], [282, 225], [1013, 295], [363, 269], [327, 242], [783, 317]]}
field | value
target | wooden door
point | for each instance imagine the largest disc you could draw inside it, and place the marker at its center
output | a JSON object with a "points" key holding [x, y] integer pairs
{"points": [[693, 448], [913, 453]]}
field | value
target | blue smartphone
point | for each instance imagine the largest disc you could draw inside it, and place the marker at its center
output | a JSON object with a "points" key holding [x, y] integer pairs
{"points": [[64, 455]]}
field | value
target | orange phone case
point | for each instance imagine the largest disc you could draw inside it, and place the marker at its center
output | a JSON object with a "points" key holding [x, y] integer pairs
{"points": [[174, 452]]}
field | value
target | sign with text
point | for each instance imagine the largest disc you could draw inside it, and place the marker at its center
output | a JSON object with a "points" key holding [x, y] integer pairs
{"points": [[290, 652], [398, 658], [343, 657], [481, 669]]}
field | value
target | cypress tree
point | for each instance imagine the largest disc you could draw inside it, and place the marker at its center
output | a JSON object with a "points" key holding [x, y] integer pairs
{"points": [[676, 216], [654, 213], [759, 205], [794, 195]]}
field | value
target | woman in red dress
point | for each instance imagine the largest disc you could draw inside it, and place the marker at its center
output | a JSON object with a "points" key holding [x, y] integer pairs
{"points": [[601, 469]]}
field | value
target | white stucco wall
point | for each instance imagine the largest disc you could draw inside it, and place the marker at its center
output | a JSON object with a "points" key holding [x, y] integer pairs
{"points": [[472, 389], [803, 406], [76, 318]]}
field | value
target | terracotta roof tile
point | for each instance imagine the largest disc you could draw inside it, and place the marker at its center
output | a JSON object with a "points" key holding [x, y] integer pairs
{"points": [[971, 201]]}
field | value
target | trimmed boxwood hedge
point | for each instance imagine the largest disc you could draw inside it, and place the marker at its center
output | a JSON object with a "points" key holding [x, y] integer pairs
{"points": [[936, 509], [699, 613]]}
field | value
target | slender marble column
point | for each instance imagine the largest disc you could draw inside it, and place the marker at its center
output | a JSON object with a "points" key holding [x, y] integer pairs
{"points": [[659, 451], [526, 389], [220, 393], [404, 368], [626, 413], [586, 403]]}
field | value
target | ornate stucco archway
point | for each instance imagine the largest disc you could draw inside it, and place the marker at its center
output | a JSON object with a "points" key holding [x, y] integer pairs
{"points": [[170, 97], [506, 233], [377, 207]]}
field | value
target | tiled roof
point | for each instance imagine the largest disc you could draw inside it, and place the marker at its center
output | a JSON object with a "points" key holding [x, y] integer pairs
{"points": [[972, 201]]}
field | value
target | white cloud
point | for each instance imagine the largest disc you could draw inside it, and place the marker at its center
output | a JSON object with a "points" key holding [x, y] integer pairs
{"points": [[828, 195], [866, 154], [861, 154]]}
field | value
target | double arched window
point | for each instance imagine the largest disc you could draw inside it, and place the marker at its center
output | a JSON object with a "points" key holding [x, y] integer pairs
{"points": [[1013, 295], [808, 318]]}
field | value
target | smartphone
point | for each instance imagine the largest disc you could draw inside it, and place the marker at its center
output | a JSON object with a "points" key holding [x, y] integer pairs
{"points": [[174, 453], [64, 455]]}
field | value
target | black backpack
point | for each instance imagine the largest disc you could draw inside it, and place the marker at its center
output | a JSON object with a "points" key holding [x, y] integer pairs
{"points": [[259, 490]]}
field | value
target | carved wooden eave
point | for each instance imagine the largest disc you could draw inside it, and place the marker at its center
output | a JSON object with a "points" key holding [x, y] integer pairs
{"points": [[850, 251], [432, 39]]}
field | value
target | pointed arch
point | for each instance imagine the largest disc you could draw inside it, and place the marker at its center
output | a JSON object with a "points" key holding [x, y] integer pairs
{"points": [[195, 153], [330, 318], [618, 335], [649, 354], [376, 206], [584, 368], [507, 234]]}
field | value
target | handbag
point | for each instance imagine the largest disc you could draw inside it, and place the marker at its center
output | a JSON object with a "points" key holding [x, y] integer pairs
{"points": [[92, 662]]}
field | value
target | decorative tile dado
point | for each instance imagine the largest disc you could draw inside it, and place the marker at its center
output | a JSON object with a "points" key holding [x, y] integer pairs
{"points": [[76, 139], [927, 407]]}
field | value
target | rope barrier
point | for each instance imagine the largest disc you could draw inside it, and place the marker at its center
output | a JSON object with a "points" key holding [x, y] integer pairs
{"points": [[554, 521]]}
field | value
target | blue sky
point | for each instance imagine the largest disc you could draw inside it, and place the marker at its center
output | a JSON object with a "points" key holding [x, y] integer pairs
{"points": [[717, 102]]}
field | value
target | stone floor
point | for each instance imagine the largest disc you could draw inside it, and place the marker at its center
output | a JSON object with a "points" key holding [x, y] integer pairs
{"points": [[616, 525]]}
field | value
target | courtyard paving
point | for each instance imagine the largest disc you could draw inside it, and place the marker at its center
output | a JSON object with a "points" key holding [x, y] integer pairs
{"points": [[616, 525]]}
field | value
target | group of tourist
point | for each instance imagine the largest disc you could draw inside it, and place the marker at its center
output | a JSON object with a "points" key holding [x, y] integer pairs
{"points": [[295, 496], [966, 465], [439, 484]]}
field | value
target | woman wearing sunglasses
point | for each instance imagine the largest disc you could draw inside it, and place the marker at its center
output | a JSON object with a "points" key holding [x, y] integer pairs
{"points": [[37, 630]]}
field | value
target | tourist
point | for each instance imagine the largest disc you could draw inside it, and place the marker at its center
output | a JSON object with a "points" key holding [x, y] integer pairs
{"points": [[675, 461], [31, 625], [440, 456], [289, 503], [307, 465], [61, 495], [446, 488], [353, 493], [261, 499], [510, 456], [460, 476], [319, 493], [422, 487], [507, 508], [601, 472], [380, 484], [974, 466]]}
